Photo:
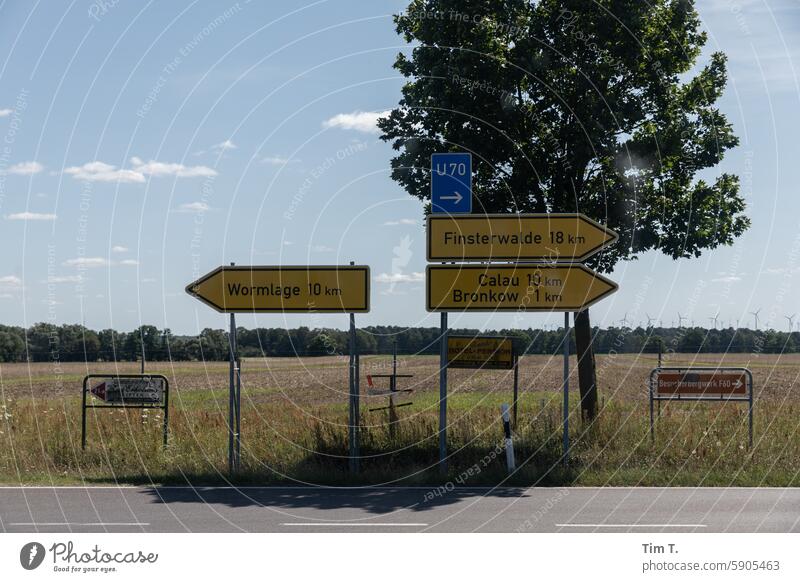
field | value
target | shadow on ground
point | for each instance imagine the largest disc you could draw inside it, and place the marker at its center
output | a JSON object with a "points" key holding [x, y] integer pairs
{"points": [[376, 500]]}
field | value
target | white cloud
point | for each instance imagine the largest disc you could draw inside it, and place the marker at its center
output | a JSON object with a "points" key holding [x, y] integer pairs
{"points": [[780, 271], [9, 286], [26, 168], [400, 278], [6, 112], [728, 5], [728, 279], [154, 168], [30, 216], [94, 262], [404, 221], [102, 172], [364, 121], [322, 249], [278, 161], [224, 146], [65, 279], [87, 262], [193, 207], [119, 249]]}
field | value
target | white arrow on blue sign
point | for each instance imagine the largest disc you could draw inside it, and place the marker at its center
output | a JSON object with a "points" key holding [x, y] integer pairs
{"points": [[451, 183]]}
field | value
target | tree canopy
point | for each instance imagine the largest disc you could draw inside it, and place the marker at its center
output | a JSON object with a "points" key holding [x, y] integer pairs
{"points": [[567, 105]]}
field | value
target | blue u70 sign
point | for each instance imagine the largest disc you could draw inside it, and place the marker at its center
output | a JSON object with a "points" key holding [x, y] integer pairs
{"points": [[451, 183]]}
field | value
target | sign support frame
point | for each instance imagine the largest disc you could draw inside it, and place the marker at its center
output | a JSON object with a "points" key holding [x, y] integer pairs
{"points": [[164, 407], [353, 409], [443, 395], [565, 436], [516, 388], [700, 398]]}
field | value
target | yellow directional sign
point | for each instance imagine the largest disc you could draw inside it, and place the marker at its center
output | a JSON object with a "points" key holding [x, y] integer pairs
{"points": [[570, 287], [487, 352], [487, 237], [306, 289]]}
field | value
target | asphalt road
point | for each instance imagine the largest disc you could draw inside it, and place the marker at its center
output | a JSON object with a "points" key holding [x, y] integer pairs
{"points": [[417, 509]]}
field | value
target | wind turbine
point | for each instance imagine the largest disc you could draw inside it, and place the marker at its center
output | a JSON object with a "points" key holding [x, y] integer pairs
{"points": [[714, 319], [650, 320], [624, 320], [790, 319], [680, 320], [755, 316]]}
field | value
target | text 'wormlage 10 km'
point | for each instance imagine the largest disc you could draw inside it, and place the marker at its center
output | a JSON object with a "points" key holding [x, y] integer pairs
{"points": [[487, 237], [279, 289]]}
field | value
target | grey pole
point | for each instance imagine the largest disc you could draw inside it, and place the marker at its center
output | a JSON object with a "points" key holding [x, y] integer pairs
{"points": [[394, 357], [238, 426], [83, 417], [652, 427], [443, 397], [231, 393], [516, 387], [750, 416], [354, 412], [566, 389], [353, 417]]}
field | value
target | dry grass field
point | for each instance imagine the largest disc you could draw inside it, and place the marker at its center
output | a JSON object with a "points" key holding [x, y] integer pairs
{"points": [[294, 414]]}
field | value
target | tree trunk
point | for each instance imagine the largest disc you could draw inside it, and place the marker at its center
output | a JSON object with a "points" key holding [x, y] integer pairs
{"points": [[587, 376]]}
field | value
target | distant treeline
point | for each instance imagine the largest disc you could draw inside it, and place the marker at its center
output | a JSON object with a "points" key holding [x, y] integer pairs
{"points": [[44, 342]]}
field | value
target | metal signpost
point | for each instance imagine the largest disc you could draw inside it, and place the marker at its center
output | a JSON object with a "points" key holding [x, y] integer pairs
{"points": [[126, 391], [451, 193], [537, 283], [285, 289], [451, 183], [516, 237], [702, 384]]}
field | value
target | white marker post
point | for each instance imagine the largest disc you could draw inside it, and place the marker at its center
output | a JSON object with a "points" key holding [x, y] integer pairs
{"points": [[509, 441]]}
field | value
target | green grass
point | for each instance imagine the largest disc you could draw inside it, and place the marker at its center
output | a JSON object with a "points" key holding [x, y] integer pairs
{"points": [[696, 444]]}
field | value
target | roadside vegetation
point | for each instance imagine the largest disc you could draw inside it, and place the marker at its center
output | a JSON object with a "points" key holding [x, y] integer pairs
{"points": [[294, 415]]}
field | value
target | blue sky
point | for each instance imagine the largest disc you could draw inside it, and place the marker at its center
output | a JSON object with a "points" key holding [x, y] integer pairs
{"points": [[144, 144]]}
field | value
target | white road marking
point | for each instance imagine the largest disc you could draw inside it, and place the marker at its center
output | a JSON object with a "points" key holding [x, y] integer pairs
{"points": [[348, 524], [68, 523], [621, 525]]}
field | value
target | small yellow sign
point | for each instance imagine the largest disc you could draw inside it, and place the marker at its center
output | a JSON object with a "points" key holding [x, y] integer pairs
{"points": [[512, 237], [521, 288], [487, 352], [302, 289]]}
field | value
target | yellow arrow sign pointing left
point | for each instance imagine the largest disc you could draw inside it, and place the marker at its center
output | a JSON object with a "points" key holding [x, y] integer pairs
{"points": [[295, 289]]}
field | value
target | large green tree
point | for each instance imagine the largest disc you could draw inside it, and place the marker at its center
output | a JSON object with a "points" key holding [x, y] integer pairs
{"points": [[573, 105]]}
